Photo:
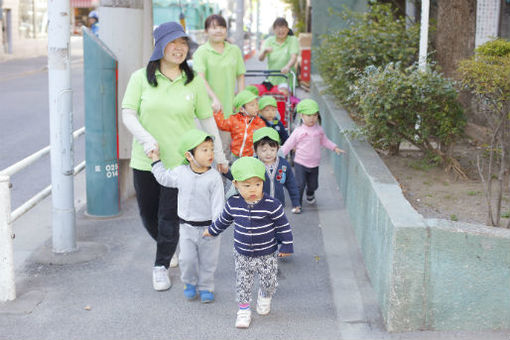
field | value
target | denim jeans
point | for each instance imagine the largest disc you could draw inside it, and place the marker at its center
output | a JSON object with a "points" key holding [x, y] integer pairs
{"points": [[306, 178]]}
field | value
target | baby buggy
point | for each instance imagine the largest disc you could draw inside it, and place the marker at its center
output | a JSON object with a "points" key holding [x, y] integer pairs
{"points": [[284, 95]]}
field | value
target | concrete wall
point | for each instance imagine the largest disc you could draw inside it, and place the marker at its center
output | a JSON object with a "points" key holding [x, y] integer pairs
{"points": [[427, 274]]}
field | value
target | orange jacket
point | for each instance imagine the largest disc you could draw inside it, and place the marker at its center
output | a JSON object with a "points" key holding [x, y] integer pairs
{"points": [[241, 130]]}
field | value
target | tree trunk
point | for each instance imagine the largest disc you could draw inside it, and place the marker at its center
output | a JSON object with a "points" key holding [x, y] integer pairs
{"points": [[455, 37]]}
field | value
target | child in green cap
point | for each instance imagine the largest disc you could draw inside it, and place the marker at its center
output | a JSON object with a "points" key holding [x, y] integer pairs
{"points": [[279, 174], [260, 225], [200, 201], [242, 124], [308, 139], [269, 112]]}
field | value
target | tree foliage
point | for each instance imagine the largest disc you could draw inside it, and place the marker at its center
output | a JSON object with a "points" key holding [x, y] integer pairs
{"points": [[376, 37], [398, 104]]}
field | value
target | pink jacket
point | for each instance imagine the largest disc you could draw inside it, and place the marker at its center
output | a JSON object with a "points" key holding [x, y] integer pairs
{"points": [[308, 141]]}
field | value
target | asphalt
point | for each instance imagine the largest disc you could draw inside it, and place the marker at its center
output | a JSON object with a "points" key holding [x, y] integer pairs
{"points": [[104, 290]]}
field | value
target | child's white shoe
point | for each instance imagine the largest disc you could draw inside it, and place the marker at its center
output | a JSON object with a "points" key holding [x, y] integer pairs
{"points": [[243, 318], [263, 304]]}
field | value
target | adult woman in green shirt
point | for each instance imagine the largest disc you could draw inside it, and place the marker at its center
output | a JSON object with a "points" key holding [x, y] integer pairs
{"points": [[281, 50], [160, 104], [221, 64]]}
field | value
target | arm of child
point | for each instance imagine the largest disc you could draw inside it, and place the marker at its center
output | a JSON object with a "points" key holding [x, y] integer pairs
{"points": [[221, 122], [167, 178], [290, 143], [217, 197], [283, 133], [221, 223], [283, 232], [327, 143], [291, 186]]}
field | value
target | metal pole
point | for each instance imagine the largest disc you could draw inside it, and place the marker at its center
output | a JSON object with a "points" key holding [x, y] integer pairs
{"points": [[410, 13], [7, 282], [33, 20], [239, 24], [258, 26], [424, 34], [61, 139]]}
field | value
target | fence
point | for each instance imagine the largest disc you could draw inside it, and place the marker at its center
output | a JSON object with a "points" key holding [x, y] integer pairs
{"points": [[7, 217]]}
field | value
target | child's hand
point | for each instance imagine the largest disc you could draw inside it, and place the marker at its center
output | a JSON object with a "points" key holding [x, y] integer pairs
{"points": [[154, 155], [296, 210], [339, 151], [206, 233], [284, 254], [223, 168]]}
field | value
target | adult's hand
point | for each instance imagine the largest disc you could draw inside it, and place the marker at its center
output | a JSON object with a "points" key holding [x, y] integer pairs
{"points": [[285, 70], [216, 105]]}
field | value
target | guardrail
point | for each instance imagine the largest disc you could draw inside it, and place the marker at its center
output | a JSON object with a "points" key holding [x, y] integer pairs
{"points": [[7, 217]]}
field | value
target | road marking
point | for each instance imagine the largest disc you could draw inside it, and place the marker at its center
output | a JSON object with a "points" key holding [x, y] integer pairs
{"points": [[74, 63]]}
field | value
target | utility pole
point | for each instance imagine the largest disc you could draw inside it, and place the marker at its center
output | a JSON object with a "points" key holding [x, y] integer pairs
{"points": [[424, 34], [61, 126], [239, 38], [258, 26]]}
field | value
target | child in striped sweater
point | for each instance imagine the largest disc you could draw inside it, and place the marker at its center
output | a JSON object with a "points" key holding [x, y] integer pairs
{"points": [[260, 225]]}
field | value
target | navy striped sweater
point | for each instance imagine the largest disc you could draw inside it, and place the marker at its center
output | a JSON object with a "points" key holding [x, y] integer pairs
{"points": [[258, 228]]}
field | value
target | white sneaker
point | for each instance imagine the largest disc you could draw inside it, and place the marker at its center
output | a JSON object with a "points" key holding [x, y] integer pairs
{"points": [[160, 278], [263, 304], [174, 262], [243, 318]]}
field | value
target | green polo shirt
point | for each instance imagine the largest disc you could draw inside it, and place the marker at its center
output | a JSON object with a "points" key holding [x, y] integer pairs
{"points": [[280, 56], [221, 71], [166, 111]]}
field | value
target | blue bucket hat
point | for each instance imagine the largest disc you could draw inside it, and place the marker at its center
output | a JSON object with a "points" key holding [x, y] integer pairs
{"points": [[163, 34]]}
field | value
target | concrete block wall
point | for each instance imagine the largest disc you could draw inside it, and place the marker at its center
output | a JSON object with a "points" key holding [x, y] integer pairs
{"points": [[427, 274]]}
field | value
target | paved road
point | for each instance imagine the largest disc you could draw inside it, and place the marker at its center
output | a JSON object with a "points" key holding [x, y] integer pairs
{"points": [[24, 118]]}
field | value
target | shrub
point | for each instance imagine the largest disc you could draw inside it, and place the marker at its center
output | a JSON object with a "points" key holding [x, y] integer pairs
{"points": [[421, 108], [376, 37]]}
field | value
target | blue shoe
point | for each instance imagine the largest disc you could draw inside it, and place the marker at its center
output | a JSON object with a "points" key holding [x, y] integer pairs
{"points": [[190, 291], [206, 296]]}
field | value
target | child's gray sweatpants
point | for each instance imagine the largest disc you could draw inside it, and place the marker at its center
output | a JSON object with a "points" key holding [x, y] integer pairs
{"points": [[198, 257]]}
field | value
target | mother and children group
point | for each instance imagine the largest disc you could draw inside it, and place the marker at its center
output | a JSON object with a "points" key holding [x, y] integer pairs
{"points": [[180, 194]]}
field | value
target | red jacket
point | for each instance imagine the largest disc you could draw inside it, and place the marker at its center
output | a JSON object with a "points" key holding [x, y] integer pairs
{"points": [[241, 130]]}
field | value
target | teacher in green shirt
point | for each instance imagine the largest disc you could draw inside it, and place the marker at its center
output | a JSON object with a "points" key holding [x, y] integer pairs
{"points": [[281, 50], [160, 105], [222, 66]]}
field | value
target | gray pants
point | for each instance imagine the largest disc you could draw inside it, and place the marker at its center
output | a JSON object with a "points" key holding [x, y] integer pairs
{"points": [[198, 257]]}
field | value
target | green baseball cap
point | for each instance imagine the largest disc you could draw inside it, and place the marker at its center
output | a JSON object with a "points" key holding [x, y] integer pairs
{"points": [[307, 107], [247, 167], [267, 101], [190, 140], [243, 97], [253, 89], [266, 132]]}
